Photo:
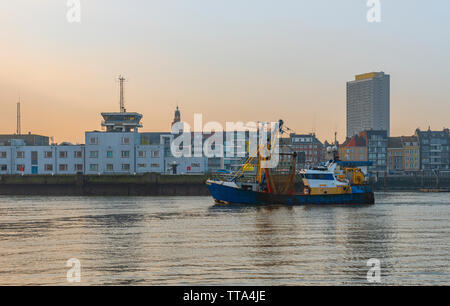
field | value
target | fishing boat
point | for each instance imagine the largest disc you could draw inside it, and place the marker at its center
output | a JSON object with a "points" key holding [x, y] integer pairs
{"points": [[333, 183]]}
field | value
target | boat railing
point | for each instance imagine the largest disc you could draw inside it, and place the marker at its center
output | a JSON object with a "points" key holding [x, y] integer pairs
{"points": [[246, 178]]}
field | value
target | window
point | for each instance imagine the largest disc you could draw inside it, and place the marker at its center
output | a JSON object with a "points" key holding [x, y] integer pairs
{"points": [[195, 165], [142, 165], [125, 154], [63, 167], [93, 167], [155, 154], [48, 167], [78, 167], [3, 167], [109, 167], [109, 154], [93, 154], [154, 165], [2, 154], [48, 154], [77, 154], [125, 140], [93, 140], [20, 154], [320, 176], [125, 167], [63, 154], [20, 168], [141, 154]]}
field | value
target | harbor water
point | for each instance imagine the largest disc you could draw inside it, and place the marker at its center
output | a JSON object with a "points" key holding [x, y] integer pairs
{"points": [[190, 241]]}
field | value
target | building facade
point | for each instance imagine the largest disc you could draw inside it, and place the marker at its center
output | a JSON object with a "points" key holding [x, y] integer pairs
{"points": [[353, 149], [411, 154], [434, 149], [377, 142], [368, 103], [29, 139], [51, 160], [395, 155], [309, 149]]}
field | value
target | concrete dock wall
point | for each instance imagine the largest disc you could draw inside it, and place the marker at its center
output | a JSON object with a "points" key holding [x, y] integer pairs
{"points": [[152, 184], [104, 185]]}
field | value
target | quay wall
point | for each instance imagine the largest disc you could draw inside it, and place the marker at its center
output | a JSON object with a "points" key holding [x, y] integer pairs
{"points": [[152, 184], [104, 185]]}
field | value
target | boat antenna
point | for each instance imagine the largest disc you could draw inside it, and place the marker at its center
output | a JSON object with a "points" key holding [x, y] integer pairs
{"points": [[335, 148]]}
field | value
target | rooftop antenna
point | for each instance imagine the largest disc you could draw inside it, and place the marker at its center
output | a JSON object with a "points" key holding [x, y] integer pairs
{"points": [[122, 103], [18, 131]]}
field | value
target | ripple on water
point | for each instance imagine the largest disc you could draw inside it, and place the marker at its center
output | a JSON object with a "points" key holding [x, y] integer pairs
{"points": [[181, 241]]}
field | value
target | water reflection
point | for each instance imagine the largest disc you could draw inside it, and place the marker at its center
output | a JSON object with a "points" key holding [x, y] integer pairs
{"points": [[156, 241]]}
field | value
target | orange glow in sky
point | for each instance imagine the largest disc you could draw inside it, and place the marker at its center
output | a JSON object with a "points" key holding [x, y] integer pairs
{"points": [[229, 60]]}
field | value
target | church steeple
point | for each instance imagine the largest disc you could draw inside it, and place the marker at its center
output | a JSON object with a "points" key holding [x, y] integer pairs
{"points": [[177, 117]]}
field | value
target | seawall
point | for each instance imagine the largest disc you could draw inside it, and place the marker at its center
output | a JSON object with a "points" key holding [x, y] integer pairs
{"points": [[152, 184], [104, 185], [411, 183]]}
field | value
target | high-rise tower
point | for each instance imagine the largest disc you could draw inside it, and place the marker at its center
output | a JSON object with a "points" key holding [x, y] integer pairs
{"points": [[368, 103]]}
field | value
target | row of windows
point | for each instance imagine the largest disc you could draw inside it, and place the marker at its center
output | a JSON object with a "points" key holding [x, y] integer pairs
{"points": [[47, 167], [79, 154], [47, 154], [350, 150], [94, 140], [301, 147], [92, 167], [351, 157], [328, 177], [124, 154], [123, 167]]}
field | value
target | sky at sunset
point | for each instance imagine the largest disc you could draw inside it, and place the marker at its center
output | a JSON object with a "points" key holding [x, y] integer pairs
{"points": [[231, 60]]}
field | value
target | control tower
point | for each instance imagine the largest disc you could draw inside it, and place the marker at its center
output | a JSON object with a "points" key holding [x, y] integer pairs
{"points": [[122, 121]]}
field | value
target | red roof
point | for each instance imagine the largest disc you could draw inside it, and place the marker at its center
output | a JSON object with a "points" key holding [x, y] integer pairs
{"points": [[355, 141]]}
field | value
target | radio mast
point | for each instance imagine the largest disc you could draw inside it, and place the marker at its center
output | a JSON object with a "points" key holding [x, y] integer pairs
{"points": [[122, 102]]}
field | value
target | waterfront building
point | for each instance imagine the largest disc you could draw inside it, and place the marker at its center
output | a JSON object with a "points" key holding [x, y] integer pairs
{"points": [[353, 149], [395, 155], [309, 149], [434, 149], [376, 142], [29, 139], [411, 154], [368, 103], [51, 159]]}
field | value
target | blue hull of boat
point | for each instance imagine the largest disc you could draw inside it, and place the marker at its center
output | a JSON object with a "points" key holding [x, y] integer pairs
{"points": [[225, 194]]}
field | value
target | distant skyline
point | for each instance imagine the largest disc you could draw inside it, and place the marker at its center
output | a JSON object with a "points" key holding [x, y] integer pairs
{"points": [[229, 60]]}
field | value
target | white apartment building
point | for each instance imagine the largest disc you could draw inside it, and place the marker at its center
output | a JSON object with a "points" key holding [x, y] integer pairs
{"points": [[121, 149], [51, 160], [103, 153]]}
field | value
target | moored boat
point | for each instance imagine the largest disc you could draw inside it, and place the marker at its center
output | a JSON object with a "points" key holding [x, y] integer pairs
{"points": [[333, 183]]}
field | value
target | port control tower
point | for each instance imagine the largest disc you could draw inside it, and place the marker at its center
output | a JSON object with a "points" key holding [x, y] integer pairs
{"points": [[122, 121]]}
